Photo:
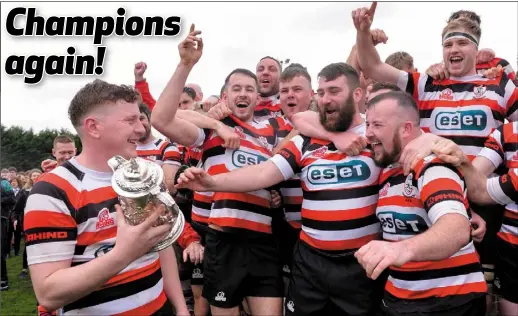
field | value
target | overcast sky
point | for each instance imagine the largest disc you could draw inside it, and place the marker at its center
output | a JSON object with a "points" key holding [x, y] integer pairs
{"points": [[235, 35]]}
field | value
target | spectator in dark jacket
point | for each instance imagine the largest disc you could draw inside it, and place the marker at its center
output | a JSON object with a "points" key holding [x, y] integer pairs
{"points": [[7, 203]]}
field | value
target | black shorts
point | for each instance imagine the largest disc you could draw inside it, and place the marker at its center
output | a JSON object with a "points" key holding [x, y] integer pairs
{"points": [[236, 266], [506, 270], [197, 274], [325, 285], [475, 306], [288, 238], [493, 216]]}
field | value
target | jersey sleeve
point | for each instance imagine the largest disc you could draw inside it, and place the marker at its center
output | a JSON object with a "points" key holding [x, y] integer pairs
{"points": [[508, 69], [203, 134], [442, 192], [511, 100], [494, 147], [172, 155], [409, 82], [147, 98], [504, 189], [188, 236], [289, 158], [49, 224]]}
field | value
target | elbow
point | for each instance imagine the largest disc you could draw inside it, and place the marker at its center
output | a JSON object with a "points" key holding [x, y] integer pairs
{"points": [[47, 303], [464, 235]]}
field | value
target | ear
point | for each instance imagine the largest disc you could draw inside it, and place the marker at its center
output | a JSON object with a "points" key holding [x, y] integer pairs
{"points": [[357, 95], [92, 127], [407, 129], [53, 152]]}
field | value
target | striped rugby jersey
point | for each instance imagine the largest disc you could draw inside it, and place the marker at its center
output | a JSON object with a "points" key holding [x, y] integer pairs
{"points": [[291, 189], [465, 110], [70, 215], [339, 192], [248, 211], [508, 69], [160, 152], [268, 108], [502, 147], [409, 206]]}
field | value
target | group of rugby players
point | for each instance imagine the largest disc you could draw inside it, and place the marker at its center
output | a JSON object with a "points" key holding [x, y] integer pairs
{"points": [[378, 202]]}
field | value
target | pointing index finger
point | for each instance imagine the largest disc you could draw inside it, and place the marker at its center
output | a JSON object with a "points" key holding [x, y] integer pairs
{"points": [[372, 9], [192, 28]]}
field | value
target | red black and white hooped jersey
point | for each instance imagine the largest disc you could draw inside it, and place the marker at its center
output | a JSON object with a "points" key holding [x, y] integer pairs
{"points": [[70, 215], [267, 108], [502, 148], [465, 110], [160, 152], [291, 189], [508, 69], [237, 212], [340, 192], [409, 206]]}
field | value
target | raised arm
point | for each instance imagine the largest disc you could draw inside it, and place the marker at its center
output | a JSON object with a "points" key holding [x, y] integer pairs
{"points": [[368, 58], [163, 117]]}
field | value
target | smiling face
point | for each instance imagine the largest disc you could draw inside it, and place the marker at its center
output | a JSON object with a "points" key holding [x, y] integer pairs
{"points": [[459, 55], [242, 96], [295, 95], [382, 132], [336, 104], [268, 73], [118, 129]]}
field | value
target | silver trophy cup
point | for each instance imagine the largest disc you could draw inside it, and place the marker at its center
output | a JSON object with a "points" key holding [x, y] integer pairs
{"points": [[139, 184]]}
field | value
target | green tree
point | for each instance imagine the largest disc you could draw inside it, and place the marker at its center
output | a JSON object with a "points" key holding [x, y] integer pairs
{"points": [[25, 149]]}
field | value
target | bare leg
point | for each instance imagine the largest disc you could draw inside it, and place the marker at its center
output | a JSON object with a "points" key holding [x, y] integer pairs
{"points": [[201, 306], [216, 311], [265, 306], [507, 308]]}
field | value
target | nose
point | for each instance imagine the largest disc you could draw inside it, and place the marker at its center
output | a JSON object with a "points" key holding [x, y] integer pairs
{"points": [[291, 94], [368, 132], [139, 129], [325, 99]]}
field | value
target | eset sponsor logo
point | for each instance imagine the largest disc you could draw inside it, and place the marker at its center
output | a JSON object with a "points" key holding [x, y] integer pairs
{"points": [[351, 171], [242, 158]]}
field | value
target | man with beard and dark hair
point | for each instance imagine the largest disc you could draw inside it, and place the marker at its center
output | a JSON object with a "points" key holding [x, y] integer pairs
{"points": [[338, 207], [168, 156], [427, 246]]}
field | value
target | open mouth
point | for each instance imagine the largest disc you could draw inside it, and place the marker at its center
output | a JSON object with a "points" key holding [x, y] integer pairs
{"points": [[242, 105], [292, 105], [330, 112], [265, 81], [132, 141], [456, 60]]}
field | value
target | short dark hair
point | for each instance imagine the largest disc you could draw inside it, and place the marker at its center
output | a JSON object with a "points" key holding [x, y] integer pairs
{"points": [[377, 86], [62, 139], [96, 94], [4, 170], [465, 13], [241, 71], [403, 99], [335, 70], [190, 92], [275, 60], [12, 169], [143, 108], [294, 70]]}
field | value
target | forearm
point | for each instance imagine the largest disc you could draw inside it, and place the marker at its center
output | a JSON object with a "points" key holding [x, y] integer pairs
{"points": [[198, 119], [308, 124], [169, 175], [143, 88], [172, 285], [450, 233], [352, 60], [67, 285], [368, 57], [476, 183], [264, 175], [167, 105]]}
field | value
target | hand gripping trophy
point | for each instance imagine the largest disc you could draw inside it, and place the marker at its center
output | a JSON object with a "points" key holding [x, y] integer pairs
{"points": [[139, 184]]}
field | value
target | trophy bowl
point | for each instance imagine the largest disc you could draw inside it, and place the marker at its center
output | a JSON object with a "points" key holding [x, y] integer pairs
{"points": [[139, 184]]}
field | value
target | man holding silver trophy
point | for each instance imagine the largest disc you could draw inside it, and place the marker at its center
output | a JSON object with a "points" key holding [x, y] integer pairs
{"points": [[87, 255]]}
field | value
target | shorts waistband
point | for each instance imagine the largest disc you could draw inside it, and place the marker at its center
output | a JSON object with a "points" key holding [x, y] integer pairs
{"points": [[342, 255]]}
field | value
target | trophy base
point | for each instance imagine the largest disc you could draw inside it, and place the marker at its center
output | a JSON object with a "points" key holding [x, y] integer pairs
{"points": [[173, 235]]}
